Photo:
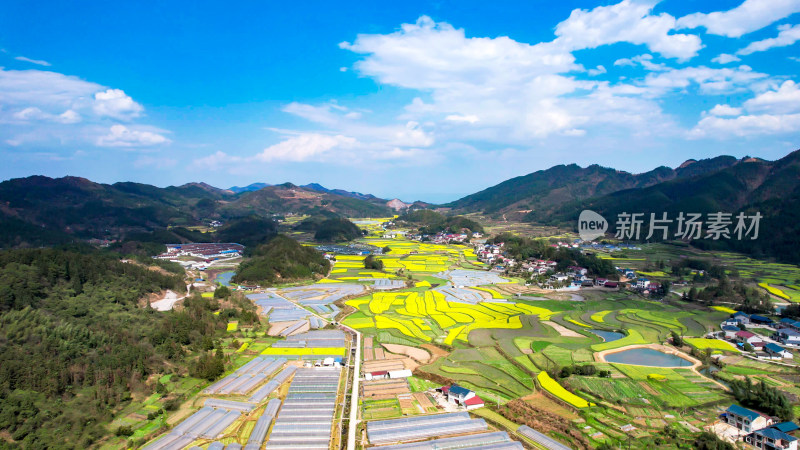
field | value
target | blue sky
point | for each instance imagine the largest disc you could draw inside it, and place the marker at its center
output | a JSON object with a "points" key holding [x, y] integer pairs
{"points": [[416, 100]]}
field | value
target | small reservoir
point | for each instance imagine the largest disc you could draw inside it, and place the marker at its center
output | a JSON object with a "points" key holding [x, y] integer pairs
{"points": [[224, 278], [608, 336], [647, 357]]}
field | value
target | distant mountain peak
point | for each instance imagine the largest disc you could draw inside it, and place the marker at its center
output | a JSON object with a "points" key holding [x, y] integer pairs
{"points": [[249, 187], [316, 187], [687, 163], [397, 204]]}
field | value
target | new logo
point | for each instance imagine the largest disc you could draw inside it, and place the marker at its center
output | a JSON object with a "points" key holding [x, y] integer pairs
{"points": [[591, 225]]}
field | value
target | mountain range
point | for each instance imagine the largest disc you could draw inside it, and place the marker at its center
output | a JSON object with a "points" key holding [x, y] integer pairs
{"points": [[556, 196], [539, 194], [38, 210]]}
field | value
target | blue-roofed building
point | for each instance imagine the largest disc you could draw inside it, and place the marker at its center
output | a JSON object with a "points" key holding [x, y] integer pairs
{"points": [[745, 419], [761, 320], [786, 427], [790, 323], [458, 395], [730, 321], [776, 351], [787, 336], [730, 331], [741, 317], [771, 438]]}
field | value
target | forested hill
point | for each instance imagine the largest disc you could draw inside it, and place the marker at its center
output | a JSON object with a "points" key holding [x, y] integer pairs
{"points": [[75, 345], [545, 191], [281, 260], [284, 198], [38, 210], [751, 185]]}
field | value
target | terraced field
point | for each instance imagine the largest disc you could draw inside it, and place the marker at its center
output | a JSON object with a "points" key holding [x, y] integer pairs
{"points": [[507, 348]]}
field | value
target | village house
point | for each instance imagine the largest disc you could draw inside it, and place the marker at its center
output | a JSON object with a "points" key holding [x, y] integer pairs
{"points": [[760, 320], [730, 322], [747, 337], [741, 318], [730, 331], [461, 396], [775, 437], [558, 278], [787, 336], [745, 419], [642, 283], [789, 323], [776, 351]]}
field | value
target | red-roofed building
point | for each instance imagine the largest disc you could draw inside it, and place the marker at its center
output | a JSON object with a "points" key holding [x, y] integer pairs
{"points": [[747, 337], [378, 375], [473, 402]]}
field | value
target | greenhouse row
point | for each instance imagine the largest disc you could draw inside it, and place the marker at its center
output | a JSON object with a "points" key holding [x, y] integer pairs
{"points": [[498, 440], [314, 339], [207, 423], [219, 446], [385, 283], [423, 427], [246, 377], [541, 438], [278, 308], [262, 425], [306, 417], [229, 405]]}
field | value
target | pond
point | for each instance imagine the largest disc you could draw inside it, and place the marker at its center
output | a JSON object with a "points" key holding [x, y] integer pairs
{"points": [[224, 278], [608, 336], [647, 357]]}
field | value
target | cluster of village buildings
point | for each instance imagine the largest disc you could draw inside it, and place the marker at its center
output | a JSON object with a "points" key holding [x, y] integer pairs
{"points": [[785, 334], [760, 430], [202, 254]]}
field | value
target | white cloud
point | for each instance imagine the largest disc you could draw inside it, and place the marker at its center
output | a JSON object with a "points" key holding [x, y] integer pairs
{"points": [[725, 110], [708, 80], [459, 118], [627, 21], [304, 147], [69, 116], [50, 108], [788, 35], [645, 61], [749, 16], [44, 89], [725, 58], [516, 89], [33, 113], [39, 62], [217, 160], [599, 70], [782, 101], [771, 112], [116, 104], [429, 55], [122, 136], [748, 125]]}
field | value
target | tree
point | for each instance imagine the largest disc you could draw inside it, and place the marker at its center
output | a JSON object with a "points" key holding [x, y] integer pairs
{"points": [[373, 263], [386, 249], [677, 340], [222, 292], [208, 367]]}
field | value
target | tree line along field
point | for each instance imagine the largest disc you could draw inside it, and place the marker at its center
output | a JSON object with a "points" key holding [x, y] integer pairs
{"points": [[502, 346], [780, 280]]}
